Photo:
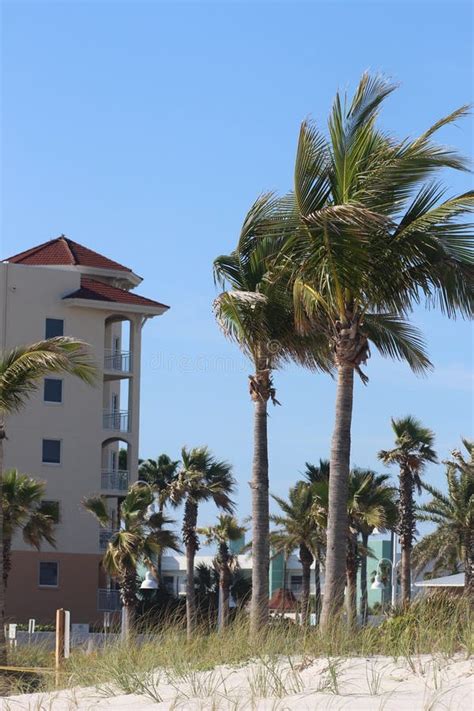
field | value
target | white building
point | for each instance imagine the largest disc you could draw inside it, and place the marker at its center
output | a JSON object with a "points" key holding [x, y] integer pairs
{"points": [[70, 433]]}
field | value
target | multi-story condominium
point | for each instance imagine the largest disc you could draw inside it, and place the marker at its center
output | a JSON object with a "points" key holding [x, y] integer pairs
{"points": [[72, 435]]}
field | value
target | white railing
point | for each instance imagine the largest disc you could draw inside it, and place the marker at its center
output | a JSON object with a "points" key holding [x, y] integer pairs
{"points": [[118, 420], [116, 479], [120, 361], [108, 600]]}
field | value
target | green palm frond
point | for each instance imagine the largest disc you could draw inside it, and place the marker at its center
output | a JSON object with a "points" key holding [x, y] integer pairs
{"points": [[22, 368], [97, 506], [397, 339]]}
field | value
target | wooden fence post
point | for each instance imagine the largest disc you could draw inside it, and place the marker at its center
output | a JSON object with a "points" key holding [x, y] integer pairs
{"points": [[60, 633]]}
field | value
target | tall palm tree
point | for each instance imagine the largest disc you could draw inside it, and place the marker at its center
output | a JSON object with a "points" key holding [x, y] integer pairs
{"points": [[257, 313], [159, 473], [413, 450], [454, 514], [201, 478], [21, 370], [23, 509], [366, 206], [225, 530], [298, 529], [141, 537]]}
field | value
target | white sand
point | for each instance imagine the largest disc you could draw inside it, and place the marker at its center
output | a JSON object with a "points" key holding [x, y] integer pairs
{"points": [[421, 684]]}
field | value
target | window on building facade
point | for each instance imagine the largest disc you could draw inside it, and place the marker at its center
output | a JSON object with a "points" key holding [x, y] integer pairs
{"points": [[296, 583], [168, 582], [53, 390], [51, 451], [51, 508], [54, 327], [48, 574]]}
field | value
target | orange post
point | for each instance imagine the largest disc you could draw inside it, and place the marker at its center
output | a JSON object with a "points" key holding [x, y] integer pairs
{"points": [[60, 632]]}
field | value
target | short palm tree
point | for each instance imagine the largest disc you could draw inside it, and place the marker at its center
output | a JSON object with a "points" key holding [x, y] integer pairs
{"points": [[225, 530], [372, 504], [21, 370], [159, 473], [454, 515], [366, 207], [413, 450], [200, 478], [257, 313], [298, 529], [377, 492], [24, 510], [141, 537]]}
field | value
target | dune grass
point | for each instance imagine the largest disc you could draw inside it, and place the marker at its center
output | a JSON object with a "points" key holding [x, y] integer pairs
{"points": [[440, 626]]}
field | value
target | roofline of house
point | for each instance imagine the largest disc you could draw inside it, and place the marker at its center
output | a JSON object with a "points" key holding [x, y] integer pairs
{"points": [[115, 306]]}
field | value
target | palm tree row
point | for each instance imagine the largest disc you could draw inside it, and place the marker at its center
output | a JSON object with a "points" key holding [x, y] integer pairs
{"points": [[308, 282], [303, 525]]}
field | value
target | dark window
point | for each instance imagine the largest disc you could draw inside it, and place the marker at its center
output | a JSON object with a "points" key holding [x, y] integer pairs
{"points": [[53, 390], [51, 451], [48, 574], [50, 508], [168, 581], [54, 327]]}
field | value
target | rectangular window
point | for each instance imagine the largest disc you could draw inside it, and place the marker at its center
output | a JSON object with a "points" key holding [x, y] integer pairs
{"points": [[50, 508], [53, 390], [168, 582], [51, 451], [54, 327], [48, 574], [296, 583]]}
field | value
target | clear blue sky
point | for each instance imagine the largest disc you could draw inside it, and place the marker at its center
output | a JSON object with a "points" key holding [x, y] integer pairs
{"points": [[145, 130]]}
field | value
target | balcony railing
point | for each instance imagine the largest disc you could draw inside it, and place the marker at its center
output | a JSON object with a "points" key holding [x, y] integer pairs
{"points": [[105, 534], [120, 361], [118, 420], [108, 600], [116, 479]]}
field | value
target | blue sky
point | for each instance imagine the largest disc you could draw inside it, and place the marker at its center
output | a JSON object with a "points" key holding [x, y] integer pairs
{"points": [[144, 130]]}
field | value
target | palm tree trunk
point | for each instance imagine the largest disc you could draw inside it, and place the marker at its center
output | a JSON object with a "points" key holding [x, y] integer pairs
{"points": [[3, 642], [407, 525], [306, 559], [317, 590], [364, 598], [128, 585], [260, 519], [189, 535], [351, 578], [469, 566], [224, 583], [7, 559], [338, 492]]}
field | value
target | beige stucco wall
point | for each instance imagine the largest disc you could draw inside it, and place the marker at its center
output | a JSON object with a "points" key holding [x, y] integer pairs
{"points": [[28, 295]]}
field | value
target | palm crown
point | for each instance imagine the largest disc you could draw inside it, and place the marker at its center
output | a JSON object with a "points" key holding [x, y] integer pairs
{"points": [[413, 447]]}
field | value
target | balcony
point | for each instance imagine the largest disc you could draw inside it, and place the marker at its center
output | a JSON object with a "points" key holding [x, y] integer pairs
{"points": [[116, 420], [105, 534], [117, 364], [108, 600], [114, 479]]}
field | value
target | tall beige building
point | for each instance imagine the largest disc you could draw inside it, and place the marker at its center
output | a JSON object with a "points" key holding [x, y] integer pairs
{"points": [[70, 433]]}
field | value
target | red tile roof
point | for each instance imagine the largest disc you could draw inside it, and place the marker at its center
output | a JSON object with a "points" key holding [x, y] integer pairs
{"points": [[98, 291], [64, 251], [283, 600]]}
